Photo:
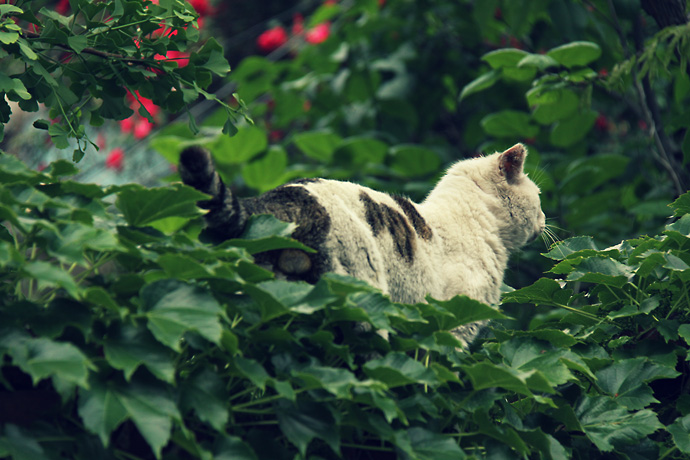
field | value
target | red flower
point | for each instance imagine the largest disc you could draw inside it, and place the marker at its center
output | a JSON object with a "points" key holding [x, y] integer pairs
{"points": [[319, 33], [62, 7], [115, 158], [602, 123], [203, 7], [142, 128], [272, 39]]}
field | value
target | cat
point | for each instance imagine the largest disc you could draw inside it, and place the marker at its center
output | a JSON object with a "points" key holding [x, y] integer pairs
{"points": [[457, 241]]}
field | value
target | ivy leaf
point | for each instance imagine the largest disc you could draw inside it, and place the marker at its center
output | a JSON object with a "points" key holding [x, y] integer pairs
{"points": [[626, 381], [205, 393], [150, 406], [41, 358], [544, 291], [129, 347], [680, 431], [141, 206], [397, 369], [427, 445], [174, 308], [607, 423], [302, 422], [18, 446]]}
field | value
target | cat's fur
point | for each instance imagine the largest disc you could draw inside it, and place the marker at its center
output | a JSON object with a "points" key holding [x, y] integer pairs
{"points": [[457, 241]]}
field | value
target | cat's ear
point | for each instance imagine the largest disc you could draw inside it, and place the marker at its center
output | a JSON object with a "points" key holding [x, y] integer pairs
{"points": [[511, 162]]}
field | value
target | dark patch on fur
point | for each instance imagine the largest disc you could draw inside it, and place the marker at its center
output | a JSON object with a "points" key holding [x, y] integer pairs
{"points": [[418, 222], [381, 216], [295, 204]]}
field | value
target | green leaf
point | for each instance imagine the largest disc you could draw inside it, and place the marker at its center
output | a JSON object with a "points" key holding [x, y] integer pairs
{"points": [[565, 248], [413, 160], [543, 292], [681, 205], [19, 446], [233, 448], [527, 354], [538, 61], [13, 85], [318, 145], [204, 393], [509, 123], [397, 369], [680, 431], [607, 423], [360, 151], [480, 83], [77, 42], [427, 445], [574, 54], [302, 422], [41, 358], [266, 172], [265, 233], [626, 381], [107, 404], [128, 347], [487, 375], [506, 57], [338, 382], [174, 308], [141, 206], [602, 270], [465, 310], [248, 142], [253, 370], [49, 275], [551, 106], [567, 132]]}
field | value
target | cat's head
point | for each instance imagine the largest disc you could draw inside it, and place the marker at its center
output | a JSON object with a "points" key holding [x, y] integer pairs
{"points": [[517, 205]]}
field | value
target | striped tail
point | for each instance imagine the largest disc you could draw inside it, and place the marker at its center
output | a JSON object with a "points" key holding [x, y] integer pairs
{"points": [[226, 217]]}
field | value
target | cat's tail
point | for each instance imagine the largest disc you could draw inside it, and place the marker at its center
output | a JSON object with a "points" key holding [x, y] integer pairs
{"points": [[226, 217]]}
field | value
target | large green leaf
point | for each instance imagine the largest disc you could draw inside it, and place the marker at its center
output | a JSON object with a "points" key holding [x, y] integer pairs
{"points": [[396, 369], [505, 57], [141, 206], [414, 160], [509, 123], [543, 292], [151, 407], [422, 444], [480, 83], [204, 393], [40, 357], [318, 145], [173, 308], [568, 131], [608, 424], [301, 423], [680, 431], [128, 347], [626, 381], [16, 445], [575, 53], [240, 148]]}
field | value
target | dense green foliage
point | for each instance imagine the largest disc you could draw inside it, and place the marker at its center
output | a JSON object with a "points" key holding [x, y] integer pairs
{"points": [[122, 336]]}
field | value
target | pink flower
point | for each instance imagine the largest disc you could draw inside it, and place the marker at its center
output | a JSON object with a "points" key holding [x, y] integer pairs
{"points": [[115, 159], [272, 39], [142, 128], [203, 7], [62, 7], [319, 33]]}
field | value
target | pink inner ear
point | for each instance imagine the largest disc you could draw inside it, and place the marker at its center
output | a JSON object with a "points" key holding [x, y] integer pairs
{"points": [[512, 161]]}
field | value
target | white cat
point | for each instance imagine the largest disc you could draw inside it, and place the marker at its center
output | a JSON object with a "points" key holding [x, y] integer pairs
{"points": [[457, 241]]}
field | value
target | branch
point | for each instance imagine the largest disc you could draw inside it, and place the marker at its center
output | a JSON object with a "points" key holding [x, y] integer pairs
{"points": [[94, 52]]}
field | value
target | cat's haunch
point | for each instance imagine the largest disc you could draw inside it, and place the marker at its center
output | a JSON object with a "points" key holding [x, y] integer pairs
{"points": [[457, 241]]}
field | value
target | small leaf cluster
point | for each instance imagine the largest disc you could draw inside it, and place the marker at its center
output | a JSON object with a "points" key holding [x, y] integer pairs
{"points": [[124, 336], [81, 67]]}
